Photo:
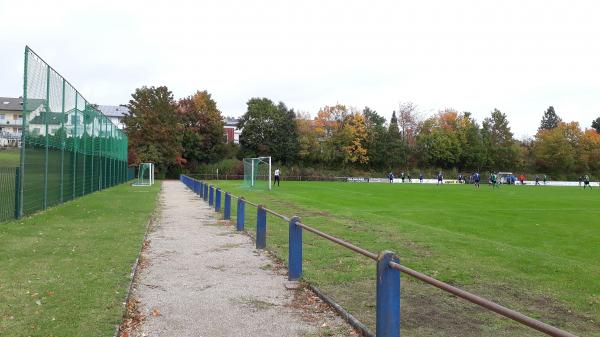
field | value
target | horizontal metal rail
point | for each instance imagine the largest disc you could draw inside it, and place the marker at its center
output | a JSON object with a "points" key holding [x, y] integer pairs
{"points": [[251, 203], [340, 242], [514, 315], [277, 214]]}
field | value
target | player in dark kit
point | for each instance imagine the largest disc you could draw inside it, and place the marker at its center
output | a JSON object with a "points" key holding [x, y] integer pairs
{"points": [[586, 182], [440, 177], [476, 179], [421, 177]]}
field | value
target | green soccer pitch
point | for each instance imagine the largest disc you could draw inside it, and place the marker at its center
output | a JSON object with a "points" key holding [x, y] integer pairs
{"points": [[532, 249]]}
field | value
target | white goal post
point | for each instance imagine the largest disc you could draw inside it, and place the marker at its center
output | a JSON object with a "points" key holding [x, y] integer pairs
{"points": [[257, 172], [145, 175]]}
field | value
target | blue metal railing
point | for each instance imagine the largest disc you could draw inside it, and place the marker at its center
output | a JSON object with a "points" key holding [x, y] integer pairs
{"points": [[388, 265]]}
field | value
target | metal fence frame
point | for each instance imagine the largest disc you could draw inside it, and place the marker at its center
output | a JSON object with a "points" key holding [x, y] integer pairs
{"points": [[388, 265]]}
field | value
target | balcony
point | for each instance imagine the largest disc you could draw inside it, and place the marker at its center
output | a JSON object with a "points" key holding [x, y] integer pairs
{"points": [[11, 122]]}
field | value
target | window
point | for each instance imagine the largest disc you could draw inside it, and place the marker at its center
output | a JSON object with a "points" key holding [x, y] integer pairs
{"points": [[2, 117]]}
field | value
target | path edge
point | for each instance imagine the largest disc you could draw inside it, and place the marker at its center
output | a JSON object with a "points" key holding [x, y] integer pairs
{"points": [[343, 313], [135, 266]]}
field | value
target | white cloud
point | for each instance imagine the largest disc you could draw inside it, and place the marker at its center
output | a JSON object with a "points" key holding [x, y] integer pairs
{"points": [[517, 56]]}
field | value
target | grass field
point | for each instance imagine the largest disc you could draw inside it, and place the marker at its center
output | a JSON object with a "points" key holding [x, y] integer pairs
{"points": [[10, 157], [533, 249], [65, 272]]}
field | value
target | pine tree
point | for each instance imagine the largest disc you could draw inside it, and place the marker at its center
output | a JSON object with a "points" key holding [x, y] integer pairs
{"points": [[550, 119], [596, 124]]}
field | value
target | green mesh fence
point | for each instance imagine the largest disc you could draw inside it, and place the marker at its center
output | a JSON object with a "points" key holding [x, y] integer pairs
{"points": [[69, 148]]}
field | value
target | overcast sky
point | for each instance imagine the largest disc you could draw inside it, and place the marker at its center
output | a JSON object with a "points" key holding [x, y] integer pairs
{"points": [[517, 56]]}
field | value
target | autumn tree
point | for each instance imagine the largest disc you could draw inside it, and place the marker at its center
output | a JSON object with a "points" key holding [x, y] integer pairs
{"points": [[550, 119], [329, 124], [556, 150], [307, 138], [355, 150], [201, 129], [589, 151], [152, 129], [438, 140]]}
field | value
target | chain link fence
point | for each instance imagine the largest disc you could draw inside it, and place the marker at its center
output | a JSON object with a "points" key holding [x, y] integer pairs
{"points": [[69, 148]]}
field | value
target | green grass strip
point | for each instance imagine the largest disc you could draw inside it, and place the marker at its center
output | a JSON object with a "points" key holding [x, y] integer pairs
{"points": [[65, 272]]}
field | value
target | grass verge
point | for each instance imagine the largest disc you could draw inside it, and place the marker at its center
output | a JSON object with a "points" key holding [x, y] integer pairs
{"points": [[65, 272]]}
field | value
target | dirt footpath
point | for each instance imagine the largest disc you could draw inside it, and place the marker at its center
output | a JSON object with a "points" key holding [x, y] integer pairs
{"points": [[201, 278]]}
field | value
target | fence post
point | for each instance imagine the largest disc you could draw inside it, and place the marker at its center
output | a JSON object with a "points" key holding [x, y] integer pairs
{"points": [[218, 200], [205, 192], [201, 189], [227, 209], [388, 296], [241, 206], [295, 250], [261, 227], [18, 192], [211, 195]]}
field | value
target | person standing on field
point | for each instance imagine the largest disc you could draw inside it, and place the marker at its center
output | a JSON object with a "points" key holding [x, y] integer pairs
{"points": [[421, 177], [440, 178], [476, 179], [586, 182], [277, 177]]}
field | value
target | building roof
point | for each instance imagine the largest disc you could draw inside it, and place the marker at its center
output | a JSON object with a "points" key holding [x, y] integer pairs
{"points": [[11, 103], [16, 103], [113, 110], [231, 122]]}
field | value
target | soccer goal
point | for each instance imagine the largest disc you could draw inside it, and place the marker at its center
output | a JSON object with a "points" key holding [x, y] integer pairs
{"points": [[145, 175], [257, 172]]}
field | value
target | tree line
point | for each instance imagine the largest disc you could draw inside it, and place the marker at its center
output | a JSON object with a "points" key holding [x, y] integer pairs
{"points": [[185, 134]]}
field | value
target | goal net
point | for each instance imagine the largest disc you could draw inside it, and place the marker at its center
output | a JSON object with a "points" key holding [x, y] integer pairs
{"points": [[145, 175], [257, 172]]}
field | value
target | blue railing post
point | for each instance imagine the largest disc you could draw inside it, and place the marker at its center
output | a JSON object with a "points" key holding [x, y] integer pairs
{"points": [[227, 207], [241, 206], [218, 200], [211, 195], [295, 250], [261, 227], [202, 189], [205, 192], [388, 296]]}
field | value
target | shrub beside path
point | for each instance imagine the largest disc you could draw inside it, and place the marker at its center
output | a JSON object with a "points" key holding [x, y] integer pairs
{"points": [[201, 278]]}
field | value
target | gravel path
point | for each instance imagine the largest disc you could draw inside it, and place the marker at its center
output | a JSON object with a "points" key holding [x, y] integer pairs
{"points": [[203, 279]]}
